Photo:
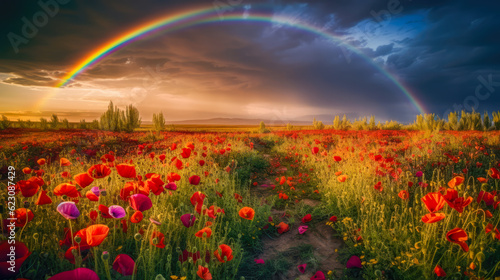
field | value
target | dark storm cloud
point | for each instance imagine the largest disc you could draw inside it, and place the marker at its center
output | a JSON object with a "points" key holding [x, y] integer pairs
{"points": [[454, 46]]}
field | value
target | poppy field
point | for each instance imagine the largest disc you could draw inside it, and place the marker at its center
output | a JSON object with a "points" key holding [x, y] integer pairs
{"points": [[89, 204]]}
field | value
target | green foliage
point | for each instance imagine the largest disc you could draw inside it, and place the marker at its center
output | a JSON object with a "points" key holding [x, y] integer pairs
{"points": [[262, 128], [54, 121], [82, 124], [496, 120], [65, 124], [158, 122], [22, 124], [289, 126], [4, 122], [343, 124], [487, 121], [318, 125], [44, 124], [116, 120]]}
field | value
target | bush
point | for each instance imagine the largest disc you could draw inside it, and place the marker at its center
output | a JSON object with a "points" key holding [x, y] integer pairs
{"points": [[4, 122], [158, 122], [116, 120], [44, 124]]}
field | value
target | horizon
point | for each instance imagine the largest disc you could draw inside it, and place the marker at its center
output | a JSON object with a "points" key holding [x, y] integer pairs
{"points": [[278, 61]]}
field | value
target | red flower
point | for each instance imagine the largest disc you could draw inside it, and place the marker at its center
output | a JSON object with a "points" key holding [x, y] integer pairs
{"points": [[337, 158], [307, 218], [204, 273], [247, 213], [64, 162], [136, 217], [433, 201], [455, 202], [404, 195], [494, 173], [439, 271], [458, 236], [19, 255], [283, 227], [173, 177], [186, 153], [99, 171], [67, 189], [23, 216], [83, 179], [105, 212], [433, 217], [194, 180], [93, 235], [204, 233], [456, 181], [43, 198], [333, 219], [28, 188], [126, 170], [226, 253]]}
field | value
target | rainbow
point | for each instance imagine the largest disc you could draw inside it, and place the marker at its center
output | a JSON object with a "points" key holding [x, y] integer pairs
{"points": [[211, 15]]}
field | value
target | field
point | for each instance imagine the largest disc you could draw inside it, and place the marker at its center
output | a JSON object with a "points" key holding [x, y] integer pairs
{"points": [[236, 204]]}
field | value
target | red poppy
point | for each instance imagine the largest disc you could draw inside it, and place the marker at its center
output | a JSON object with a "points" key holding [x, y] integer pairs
{"points": [[157, 239], [178, 164], [136, 217], [64, 162], [41, 161], [83, 179], [333, 219], [43, 198], [10, 254], [337, 158], [91, 196], [93, 215], [140, 202], [433, 217], [105, 212], [186, 255], [26, 170], [99, 171], [307, 218], [194, 180], [126, 170], [315, 150], [283, 227], [404, 195], [173, 177], [22, 216], [378, 186], [226, 253], [93, 235], [197, 200], [488, 198], [458, 236], [67, 189], [456, 181], [204, 233], [494, 173], [433, 201], [455, 202], [238, 197], [204, 273], [186, 152], [247, 213], [124, 264], [28, 188], [439, 271]]}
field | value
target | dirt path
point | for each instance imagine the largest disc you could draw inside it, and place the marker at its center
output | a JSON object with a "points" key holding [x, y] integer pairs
{"points": [[316, 247]]}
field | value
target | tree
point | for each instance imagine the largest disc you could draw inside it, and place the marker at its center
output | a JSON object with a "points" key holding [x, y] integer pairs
{"points": [[54, 121], [336, 123], [44, 124], [452, 121], [83, 124], [318, 124], [116, 120], [262, 128], [371, 124], [65, 123], [486, 121], [496, 120], [158, 122], [289, 126], [4, 122]]}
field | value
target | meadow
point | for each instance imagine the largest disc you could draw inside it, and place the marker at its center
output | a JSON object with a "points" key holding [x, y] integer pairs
{"points": [[201, 204]]}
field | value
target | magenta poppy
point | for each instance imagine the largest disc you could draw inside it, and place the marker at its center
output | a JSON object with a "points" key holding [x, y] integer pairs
{"points": [[319, 276], [303, 229], [259, 261], [302, 268], [76, 274], [354, 261], [188, 220], [140, 202], [68, 210], [116, 211], [124, 264]]}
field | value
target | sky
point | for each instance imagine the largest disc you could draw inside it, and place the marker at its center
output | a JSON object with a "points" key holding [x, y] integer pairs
{"points": [[445, 54]]}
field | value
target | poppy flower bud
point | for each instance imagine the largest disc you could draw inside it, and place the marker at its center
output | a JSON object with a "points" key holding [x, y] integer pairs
{"points": [[480, 257], [45, 254], [78, 239], [137, 237], [74, 252], [471, 254], [159, 277], [378, 273], [103, 193], [26, 204], [35, 235], [105, 256], [155, 241]]}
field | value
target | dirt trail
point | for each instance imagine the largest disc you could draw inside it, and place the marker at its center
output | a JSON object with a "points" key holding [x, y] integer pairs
{"points": [[319, 237]]}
